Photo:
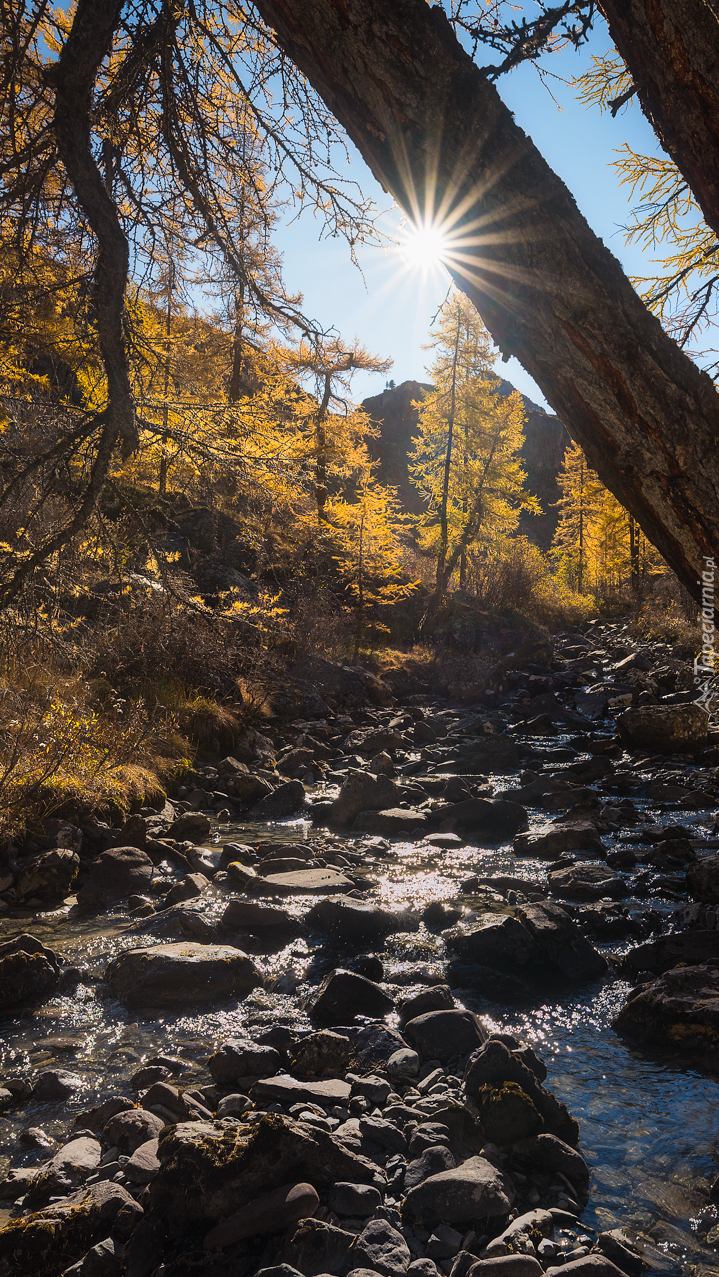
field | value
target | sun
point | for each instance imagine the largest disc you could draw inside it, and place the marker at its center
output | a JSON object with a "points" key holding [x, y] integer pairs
{"points": [[424, 247]]}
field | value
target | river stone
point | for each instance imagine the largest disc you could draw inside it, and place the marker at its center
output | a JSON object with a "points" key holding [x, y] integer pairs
{"points": [[285, 801], [241, 1058], [391, 822], [404, 1063], [56, 1084], [355, 1200], [476, 1189], [587, 1266], [491, 817], [65, 1171], [432, 1161], [303, 882], [51, 873], [247, 788], [381, 1248], [679, 1010], [270, 1213], [623, 1251], [207, 1168], [561, 941], [343, 995], [181, 975], [587, 882], [493, 939], [438, 998], [507, 1266], [287, 1090], [247, 915], [128, 1130], [362, 791], [689, 948], [703, 880], [554, 841], [438, 1035], [506, 1113], [27, 970], [496, 1065], [546, 1152], [322, 1054], [191, 826], [316, 1249], [144, 1163], [357, 921], [116, 874], [665, 729], [45, 1243]]}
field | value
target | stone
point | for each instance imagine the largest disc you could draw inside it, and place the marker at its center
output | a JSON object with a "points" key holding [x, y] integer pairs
{"points": [[181, 975], [322, 1054], [191, 826], [703, 880], [187, 888], [343, 995], [667, 729], [304, 882], [381, 1248], [270, 1213], [507, 1113], [45, 1243], [116, 874], [561, 941], [287, 1090], [403, 1063], [444, 1242], [546, 1152], [494, 1065], [677, 1011], [587, 882], [362, 791], [587, 1266], [392, 822], [508, 1266], [438, 1035], [382, 764], [248, 789], [688, 948], [384, 1134], [51, 873], [56, 1084], [476, 1189], [285, 801], [495, 818], [437, 998], [316, 1249], [207, 1168], [357, 921], [144, 1163], [356, 1200], [622, 1251], [103, 1260], [493, 939], [553, 841], [432, 1161], [247, 915], [28, 970], [65, 1171], [128, 1130], [240, 1058]]}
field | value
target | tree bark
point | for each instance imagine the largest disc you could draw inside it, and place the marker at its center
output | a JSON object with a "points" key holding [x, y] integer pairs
{"points": [[671, 48], [437, 136]]}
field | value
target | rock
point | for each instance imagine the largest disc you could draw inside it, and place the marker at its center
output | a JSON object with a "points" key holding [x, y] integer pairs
{"points": [[362, 791], [103, 1260], [286, 800], [666, 729], [287, 1090], [438, 1035], [28, 970], [690, 948], [554, 841], [391, 822], [317, 1249], [323, 1054], [144, 1163], [491, 817], [403, 1063], [206, 1168], [187, 888], [303, 882], [46, 1242], [181, 974], [247, 915], [476, 1189], [357, 921], [438, 998], [117, 873], [587, 882], [382, 765], [495, 1066], [622, 1251], [191, 826], [507, 1113], [343, 995], [679, 1010], [56, 1084], [703, 880], [432, 1161], [493, 939], [381, 1248], [248, 789], [51, 873], [561, 941], [547, 1152], [267, 1214], [383, 1133], [507, 1266], [65, 1171], [128, 1130], [444, 1242], [241, 1058], [587, 1266], [355, 1200]]}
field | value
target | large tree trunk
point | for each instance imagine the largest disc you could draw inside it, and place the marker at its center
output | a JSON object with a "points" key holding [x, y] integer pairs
{"points": [[672, 50], [436, 134]]}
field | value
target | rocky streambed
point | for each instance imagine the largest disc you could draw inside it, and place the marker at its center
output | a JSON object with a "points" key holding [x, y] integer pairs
{"points": [[403, 986]]}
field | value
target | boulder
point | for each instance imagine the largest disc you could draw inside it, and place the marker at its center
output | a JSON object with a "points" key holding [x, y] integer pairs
{"points": [[667, 729], [561, 941], [362, 791], [493, 939], [56, 1084], [475, 1190], [437, 998], [241, 1058], [688, 948], [51, 873], [392, 822], [315, 1249], [207, 1168], [144, 1163], [507, 1113], [547, 1153], [248, 789], [554, 841], [357, 921], [703, 880], [117, 873], [323, 1054], [247, 915], [677, 1011], [587, 882], [355, 1200], [181, 975], [495, 1067], [46, 1242], [587, 1266], [285, 801], [287, 1090], [267, 1214], [28, 970], [65, 1171], [188, 888], [343, 995], [433, 1161], [191, 826], [127, 1131], [494, 818], [303, 882], [382, 1249], [439, 1035], [507, 1266]]}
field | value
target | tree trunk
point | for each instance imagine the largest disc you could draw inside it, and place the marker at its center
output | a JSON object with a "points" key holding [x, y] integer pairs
{"points": [[438, 137], [671, 48]]}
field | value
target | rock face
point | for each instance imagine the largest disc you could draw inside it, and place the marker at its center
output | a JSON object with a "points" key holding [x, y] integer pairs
{"points": [[664, 728], [27, 970], [45, 1243], [116, 874], [181, 974], [678, 1011], [52, 873], [343, 995], [476, 1189]]}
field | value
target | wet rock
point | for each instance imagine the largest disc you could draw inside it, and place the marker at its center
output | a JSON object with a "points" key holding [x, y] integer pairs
{"points": [[207, 1168], [666, 729], [557, 840], [438, 1035], [493, 939], [547, 1152], [316, 1248], [391, 822], [474, 1190], [343, 995], [507, 1266], [587, 882], [362, 791], [622, 1251], [303, 882], [56, 1084], [496, 1066], [144, 1163], [28, 970], [267, 1214], [181, 974], [117, 873], [507, 1113], [356, 1200], [51, 873], [587, 1266], [703, 880], [247, 915], [381, 1248], [561, 941], [677, 1011], [240, 1058], [187, 888], [689, 948], [285, 801], [437, 998], [288, 1090], [65, 1171], [491, 817], [432, 1161], [357, 921], [323, 1054], [127, 1131], [191, 826], [46, 1242], [404, 1063]]}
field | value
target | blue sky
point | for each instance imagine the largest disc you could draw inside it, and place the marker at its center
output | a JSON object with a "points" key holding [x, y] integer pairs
{"points": [[391, 308]]}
